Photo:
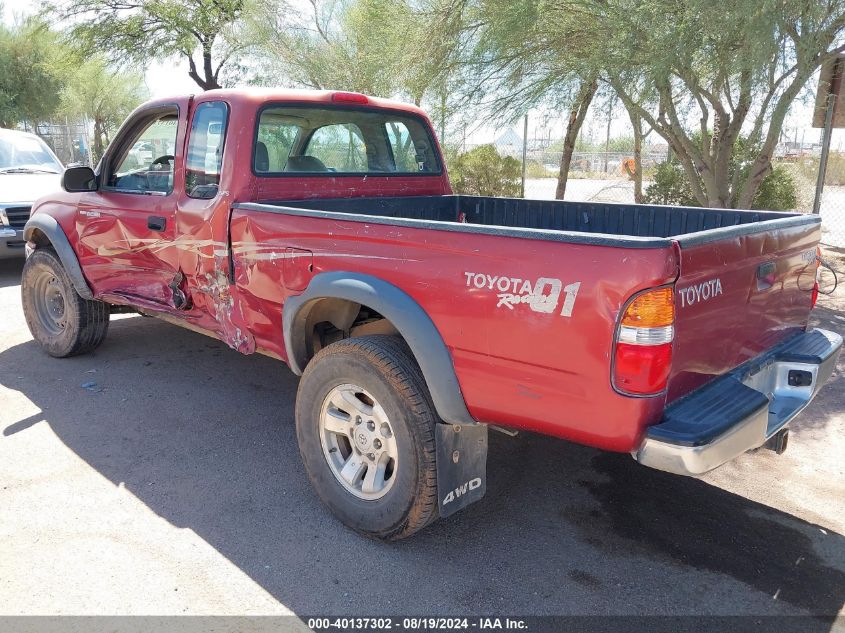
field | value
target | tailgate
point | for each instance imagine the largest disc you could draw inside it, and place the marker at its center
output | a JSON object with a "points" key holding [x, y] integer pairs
{"points": [[741, 290]]}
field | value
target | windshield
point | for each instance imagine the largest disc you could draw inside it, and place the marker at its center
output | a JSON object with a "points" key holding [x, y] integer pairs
{"points": [[333, 140], [22, 154]]}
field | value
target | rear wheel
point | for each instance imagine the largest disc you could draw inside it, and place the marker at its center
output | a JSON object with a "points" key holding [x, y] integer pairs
{"points": [[61, 321], [365, 425]]}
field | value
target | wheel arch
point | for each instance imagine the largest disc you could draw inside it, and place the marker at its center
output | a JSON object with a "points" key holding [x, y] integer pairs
{"points": [[402, 311], [43, 230]]}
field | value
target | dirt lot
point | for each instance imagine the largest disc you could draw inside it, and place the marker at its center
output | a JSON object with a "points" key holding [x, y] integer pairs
{"points": [[172, 485]]}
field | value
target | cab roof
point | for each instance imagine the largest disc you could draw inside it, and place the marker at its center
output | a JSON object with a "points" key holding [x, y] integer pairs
{"points": [[256, 97]]}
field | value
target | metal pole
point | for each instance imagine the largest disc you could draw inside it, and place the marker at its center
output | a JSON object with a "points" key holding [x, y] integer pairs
{"points": [[607, 137], [524, 153], [828, 133]]}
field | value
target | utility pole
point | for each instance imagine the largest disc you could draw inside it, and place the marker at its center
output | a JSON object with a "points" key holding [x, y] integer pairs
{"points": [[524, 153], [607, 136]]}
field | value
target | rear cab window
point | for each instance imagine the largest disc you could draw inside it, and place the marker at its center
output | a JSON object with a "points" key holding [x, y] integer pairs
{"points": [[332, 141]]}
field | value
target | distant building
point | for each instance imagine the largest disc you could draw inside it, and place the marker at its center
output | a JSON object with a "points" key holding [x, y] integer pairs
{"points": [[509, 144]]}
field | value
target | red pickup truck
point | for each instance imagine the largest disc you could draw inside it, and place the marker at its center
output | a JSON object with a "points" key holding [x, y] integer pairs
{"points": [[320, 228]]}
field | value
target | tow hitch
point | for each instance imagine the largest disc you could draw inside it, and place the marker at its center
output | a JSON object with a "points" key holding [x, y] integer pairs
{"points": [[778, 441]]}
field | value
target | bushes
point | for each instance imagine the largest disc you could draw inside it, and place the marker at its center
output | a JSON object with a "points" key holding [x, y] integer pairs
{"points": [[670, 186], [777, 192], [536, 169], [483, 172]]}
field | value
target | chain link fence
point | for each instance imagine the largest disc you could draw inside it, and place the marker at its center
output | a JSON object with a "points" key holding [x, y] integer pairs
{"points": [[803, 160], [606, 176], [69, 140], [593, 176]]}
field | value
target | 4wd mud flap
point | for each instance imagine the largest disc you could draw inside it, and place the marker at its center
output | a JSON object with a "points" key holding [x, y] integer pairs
{"points": [[461, 465]]}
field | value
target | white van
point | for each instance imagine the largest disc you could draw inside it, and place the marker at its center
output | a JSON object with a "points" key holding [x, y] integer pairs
{"points": [[28, 170]]}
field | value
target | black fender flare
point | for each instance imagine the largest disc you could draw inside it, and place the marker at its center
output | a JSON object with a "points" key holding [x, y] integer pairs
{"points": [[58, 240], [415, 326]]}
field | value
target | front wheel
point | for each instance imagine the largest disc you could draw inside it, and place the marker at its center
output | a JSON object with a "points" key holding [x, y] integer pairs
{"points": [[365, 425], [61, 321]]}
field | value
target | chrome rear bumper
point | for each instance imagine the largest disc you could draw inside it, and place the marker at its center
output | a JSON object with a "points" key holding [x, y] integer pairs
{"points": [[742, 409]]}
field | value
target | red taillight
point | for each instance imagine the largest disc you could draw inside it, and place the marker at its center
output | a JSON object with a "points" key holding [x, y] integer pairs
{"points": [[643, 354], [350, 97], [814, 296], [642, 369]]}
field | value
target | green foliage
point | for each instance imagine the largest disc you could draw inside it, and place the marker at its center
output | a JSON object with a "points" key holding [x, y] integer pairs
{"points": [[31, 79], [536, 169], [103, 95], [386, 48], [357, 45], [777, 192], [483, 172], [716, 68], [198, 31], [670, 186], [44, 78]]}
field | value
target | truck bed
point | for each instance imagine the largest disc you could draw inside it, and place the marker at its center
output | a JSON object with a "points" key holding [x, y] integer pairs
{"points": [[515, 364], [557, 216]]}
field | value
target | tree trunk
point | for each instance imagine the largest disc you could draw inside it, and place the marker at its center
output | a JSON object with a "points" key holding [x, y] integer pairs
{"points": [[208, 80], [576, 119], [98, 140], [761, 168]]}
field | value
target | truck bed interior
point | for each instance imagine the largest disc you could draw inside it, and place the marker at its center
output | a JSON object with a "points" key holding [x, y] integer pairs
{"points": [[551, 215]]}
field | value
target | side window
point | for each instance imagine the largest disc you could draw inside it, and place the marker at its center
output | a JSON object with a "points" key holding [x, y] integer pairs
{"points": [[147, 162], [205, 150], [338, 147], [404, 152]]}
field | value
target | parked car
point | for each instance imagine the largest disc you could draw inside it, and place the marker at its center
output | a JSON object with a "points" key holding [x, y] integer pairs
{"points": [[320, 228], [28, 170]]}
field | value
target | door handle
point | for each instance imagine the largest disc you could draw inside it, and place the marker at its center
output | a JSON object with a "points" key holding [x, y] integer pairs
{"points": [[156, 223]]}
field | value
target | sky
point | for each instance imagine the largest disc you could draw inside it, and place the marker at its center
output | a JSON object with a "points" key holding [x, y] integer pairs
{"points": [[171, 77]]}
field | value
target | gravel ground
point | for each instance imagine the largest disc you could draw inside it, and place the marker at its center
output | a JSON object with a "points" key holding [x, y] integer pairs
{"points": [[173, 485]]}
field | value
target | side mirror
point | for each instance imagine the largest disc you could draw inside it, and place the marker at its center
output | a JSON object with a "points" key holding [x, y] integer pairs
{"points": [[78, 179]]}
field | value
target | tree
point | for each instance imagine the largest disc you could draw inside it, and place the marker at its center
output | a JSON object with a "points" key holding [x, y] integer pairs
{"points": [[670, 185], [514, 54], [699, 73], [32, 78], [388, 48], [202, 32], [103, 95], [338, 44]]}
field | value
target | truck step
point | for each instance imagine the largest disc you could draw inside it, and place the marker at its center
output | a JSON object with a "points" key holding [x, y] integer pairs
{"points": [[708, 413]]}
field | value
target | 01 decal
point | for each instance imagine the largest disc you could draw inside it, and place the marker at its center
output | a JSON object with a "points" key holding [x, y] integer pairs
{"points": [[542, 295]]}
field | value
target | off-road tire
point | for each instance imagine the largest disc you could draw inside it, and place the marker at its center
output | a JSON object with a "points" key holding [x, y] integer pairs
{"points": [[385, 367], [84, 323]]}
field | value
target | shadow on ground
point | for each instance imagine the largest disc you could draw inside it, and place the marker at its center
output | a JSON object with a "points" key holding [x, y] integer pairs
{"points": [[205, 438], [10, 272]]}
